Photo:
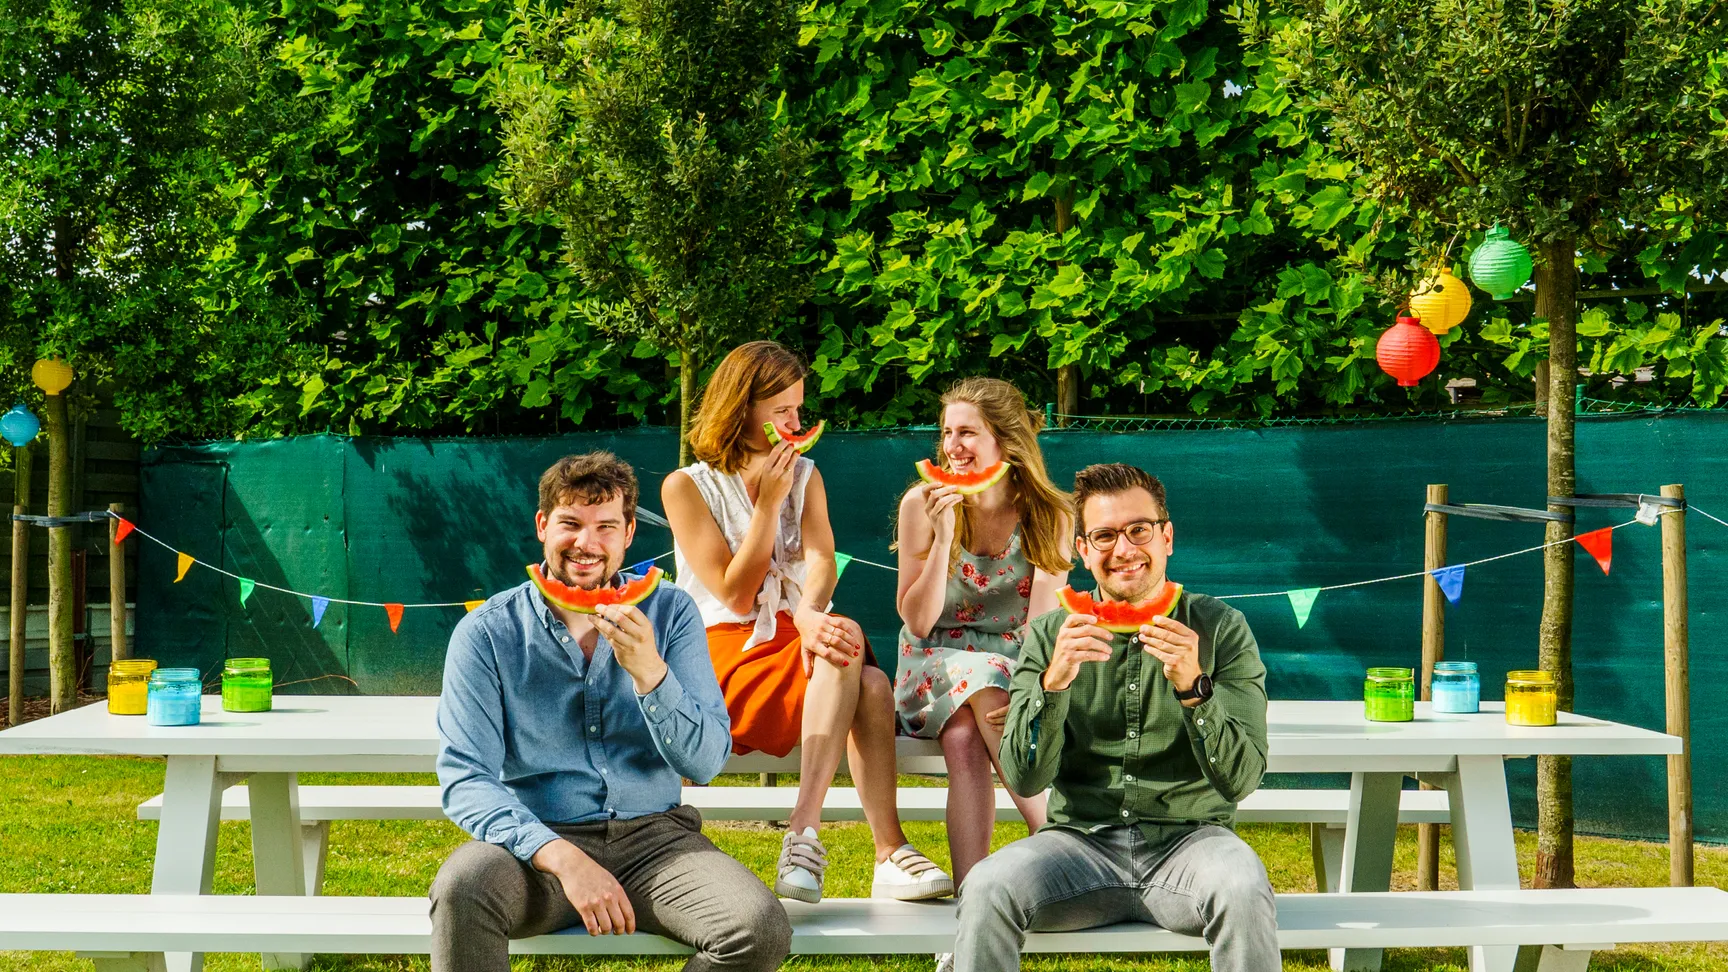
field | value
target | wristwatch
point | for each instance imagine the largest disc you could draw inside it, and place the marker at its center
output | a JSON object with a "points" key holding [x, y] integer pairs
{"points": [[1202, 689]]}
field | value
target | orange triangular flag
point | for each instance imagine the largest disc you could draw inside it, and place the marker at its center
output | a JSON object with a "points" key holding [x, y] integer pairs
{"points": [[471, 605], [122, 531], [395, 612], [1600, 544], [186, 563]]}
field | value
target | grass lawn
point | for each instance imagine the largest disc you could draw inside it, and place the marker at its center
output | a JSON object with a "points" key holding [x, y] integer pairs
{"points": [[69, 825]]}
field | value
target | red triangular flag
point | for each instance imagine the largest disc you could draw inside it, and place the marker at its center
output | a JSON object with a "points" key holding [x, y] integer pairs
{"points": [[1600, 544], [122, 531], [395, 612]]}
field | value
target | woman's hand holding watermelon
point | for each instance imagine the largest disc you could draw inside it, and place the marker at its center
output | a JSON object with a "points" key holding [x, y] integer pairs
{"points": [[631, 635], [772, 481], [939, 504], [837, 640]]}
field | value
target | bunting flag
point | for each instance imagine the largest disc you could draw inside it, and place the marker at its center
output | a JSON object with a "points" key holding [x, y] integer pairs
{"points": [[395, 613], [471, 605], [1302, 602], [247, 585], [840, 562], [186, 562], [1451, 581], [641, 570], [318, 606], [1600, 544], [122, 531]]}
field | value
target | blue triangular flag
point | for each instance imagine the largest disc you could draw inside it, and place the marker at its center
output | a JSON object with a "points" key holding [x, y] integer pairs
{"points": [[318, 606], [1451, 581], [1302, 602], [642, 568]]}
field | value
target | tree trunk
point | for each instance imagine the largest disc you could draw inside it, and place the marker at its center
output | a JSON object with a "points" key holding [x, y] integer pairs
{"points": [[686, 403], [1557, 303], [1068, 375], [62, 663]]}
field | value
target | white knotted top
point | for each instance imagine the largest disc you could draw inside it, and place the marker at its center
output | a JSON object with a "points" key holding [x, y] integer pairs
{"points": [[729, 501]]}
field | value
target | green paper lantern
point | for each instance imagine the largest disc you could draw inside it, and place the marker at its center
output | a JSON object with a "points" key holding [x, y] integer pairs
{"points": [[1500, 265]]}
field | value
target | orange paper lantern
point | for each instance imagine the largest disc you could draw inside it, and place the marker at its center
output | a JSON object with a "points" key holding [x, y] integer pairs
{"points": [[1408, 351]]}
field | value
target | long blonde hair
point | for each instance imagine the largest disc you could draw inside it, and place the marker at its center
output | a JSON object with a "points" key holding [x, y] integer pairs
{"points": [[1046, 513], [750, 373]]}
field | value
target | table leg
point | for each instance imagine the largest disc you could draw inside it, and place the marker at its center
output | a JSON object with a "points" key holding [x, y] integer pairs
{"points": [[1370, 837], [1482, 837], [277, 859], [186, 837]]}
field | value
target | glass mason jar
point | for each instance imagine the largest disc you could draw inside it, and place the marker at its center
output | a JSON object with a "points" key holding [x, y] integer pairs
{"points": [[129, 685], [246, 685], [175, 697], [1456, 687], [1389, 695], [1531, 699]]}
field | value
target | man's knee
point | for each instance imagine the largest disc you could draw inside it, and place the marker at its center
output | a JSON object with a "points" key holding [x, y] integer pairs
{"points": [[994, 890], [755, 935], [1238, 883], [471, 884]]}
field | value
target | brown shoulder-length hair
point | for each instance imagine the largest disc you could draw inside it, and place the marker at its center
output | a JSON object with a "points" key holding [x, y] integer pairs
{"points": [[1046, 512], [750, 373]]}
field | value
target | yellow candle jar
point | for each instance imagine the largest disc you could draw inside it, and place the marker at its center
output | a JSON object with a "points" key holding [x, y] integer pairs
{"points": [[129, 685], [1531, 699]]}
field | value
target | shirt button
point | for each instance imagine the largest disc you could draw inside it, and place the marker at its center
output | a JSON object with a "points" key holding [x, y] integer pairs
{"points": [[593, 728], [1199, 722], [653, 708], [1211, 759], [563, 637], [1132, 686], [668, 740], [1133, 734], [1124, 813], [1128, 778]]}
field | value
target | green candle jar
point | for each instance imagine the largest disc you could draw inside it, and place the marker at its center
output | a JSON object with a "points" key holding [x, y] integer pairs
{"points": [[1389, 695], [246, 684]]}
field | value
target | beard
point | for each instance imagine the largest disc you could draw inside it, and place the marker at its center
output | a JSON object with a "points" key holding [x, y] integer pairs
{"points": [[564, 570], [1135, 591]]}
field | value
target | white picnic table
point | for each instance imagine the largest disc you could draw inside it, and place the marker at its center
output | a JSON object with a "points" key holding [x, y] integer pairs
{"points": [[1463, 754]]}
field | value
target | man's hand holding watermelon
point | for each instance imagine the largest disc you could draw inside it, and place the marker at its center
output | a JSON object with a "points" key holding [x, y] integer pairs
{"points": [[633, 645], [1079, 641], [1178, 647]]}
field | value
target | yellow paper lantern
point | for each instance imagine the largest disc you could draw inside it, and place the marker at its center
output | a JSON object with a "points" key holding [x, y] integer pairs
{"points": [[52, 375], [1441, 301]]}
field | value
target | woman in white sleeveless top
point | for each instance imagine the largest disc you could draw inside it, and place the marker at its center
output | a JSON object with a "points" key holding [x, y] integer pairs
{"points": [[756, 552]]}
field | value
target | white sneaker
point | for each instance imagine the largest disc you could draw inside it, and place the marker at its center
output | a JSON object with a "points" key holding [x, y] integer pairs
{"points": [[944, 962], [802, 861], [910, 876]]}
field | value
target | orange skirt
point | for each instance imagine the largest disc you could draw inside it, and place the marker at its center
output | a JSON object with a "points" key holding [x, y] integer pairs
{"points": [[764, 687]]}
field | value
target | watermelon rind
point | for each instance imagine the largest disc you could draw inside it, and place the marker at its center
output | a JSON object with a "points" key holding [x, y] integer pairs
{"points": [[581, 601], [1117, 617], [966, 486], [802, 444]]}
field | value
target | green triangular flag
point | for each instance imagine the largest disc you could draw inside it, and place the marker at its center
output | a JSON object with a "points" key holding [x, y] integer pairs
{"points": [[1302, 602], [246, 586], [840, 562]]}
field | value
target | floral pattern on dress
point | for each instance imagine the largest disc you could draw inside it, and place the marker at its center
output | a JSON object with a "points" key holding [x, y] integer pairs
{"points": [[972, 646]]}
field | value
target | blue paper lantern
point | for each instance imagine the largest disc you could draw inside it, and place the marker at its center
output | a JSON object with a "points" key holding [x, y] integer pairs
{"points": [[19, 426]]}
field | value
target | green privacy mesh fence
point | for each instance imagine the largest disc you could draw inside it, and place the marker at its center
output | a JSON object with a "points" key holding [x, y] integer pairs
{"points": [[1255, 509]]}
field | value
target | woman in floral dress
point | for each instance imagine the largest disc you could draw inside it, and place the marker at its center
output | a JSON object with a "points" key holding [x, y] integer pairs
{"points": [[973, 571]]}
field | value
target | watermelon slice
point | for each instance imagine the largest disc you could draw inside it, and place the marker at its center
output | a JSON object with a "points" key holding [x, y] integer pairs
{"points": [[1120, 616], [802, 443], [585, 601], [965, 483]]}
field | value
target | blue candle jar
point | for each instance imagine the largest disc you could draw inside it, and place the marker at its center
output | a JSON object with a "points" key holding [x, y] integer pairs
{"points": [[175, 697], [1456, 688]]}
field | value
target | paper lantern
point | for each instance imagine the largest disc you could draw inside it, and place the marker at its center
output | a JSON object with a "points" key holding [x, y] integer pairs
{"points": [[19, 426], [1500, 265], [52, 375], [1441, 301], [1408, 351]]}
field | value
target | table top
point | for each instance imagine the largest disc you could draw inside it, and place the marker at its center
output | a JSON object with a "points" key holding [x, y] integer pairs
{"points": [[314, 726]]}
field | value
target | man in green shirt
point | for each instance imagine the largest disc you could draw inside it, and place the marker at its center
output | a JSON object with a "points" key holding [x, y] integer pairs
{"points": [[1147, 740]]}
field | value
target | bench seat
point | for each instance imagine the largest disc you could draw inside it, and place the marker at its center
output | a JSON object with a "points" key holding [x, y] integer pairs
{"points": [[325, 803], [122, 929]]}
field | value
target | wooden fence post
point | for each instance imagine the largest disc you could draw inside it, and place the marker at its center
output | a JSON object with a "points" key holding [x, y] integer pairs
{"points": [[20, 584], [62, 666], [119, 647], [1677, 682], [1433, 650]]}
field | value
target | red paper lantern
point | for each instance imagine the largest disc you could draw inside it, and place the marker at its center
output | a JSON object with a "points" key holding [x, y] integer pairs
{"points": [[1408, 351]]}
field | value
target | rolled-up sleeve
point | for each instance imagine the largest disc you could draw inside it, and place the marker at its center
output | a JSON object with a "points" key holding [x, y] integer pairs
{"points": [[471, 749], [686, 712]]}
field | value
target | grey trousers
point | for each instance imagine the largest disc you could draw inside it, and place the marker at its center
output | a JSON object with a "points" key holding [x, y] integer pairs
{"points": [[1210, 883], [679, 884]]}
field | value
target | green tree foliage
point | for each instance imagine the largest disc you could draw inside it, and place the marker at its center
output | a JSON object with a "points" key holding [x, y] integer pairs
{"points": [[1590, 128], [650, 132]]}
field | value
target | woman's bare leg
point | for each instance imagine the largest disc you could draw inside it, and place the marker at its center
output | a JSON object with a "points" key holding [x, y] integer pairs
{"points": [[830, 701], [971, 792], [982, 703], [871, 752]]}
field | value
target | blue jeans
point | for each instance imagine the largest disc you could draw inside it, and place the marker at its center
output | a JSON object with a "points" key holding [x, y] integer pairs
{"points": [[1209, 883]]}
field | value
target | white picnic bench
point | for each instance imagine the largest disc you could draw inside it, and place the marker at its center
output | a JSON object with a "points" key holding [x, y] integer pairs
{"points": [[1463, 755], [1548, 931]]}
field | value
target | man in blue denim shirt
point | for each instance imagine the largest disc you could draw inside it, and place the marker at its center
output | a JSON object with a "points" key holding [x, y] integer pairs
{"points": [[564, 739]]}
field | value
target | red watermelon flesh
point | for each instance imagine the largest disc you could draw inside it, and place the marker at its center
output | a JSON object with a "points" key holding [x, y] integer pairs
{"points": [[1120, 616], [803, 443], [964, 483], [583, 601]]}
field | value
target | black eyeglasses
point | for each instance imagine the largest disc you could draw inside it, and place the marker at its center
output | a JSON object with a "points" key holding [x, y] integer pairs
{"points": [[1139, 533]]}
